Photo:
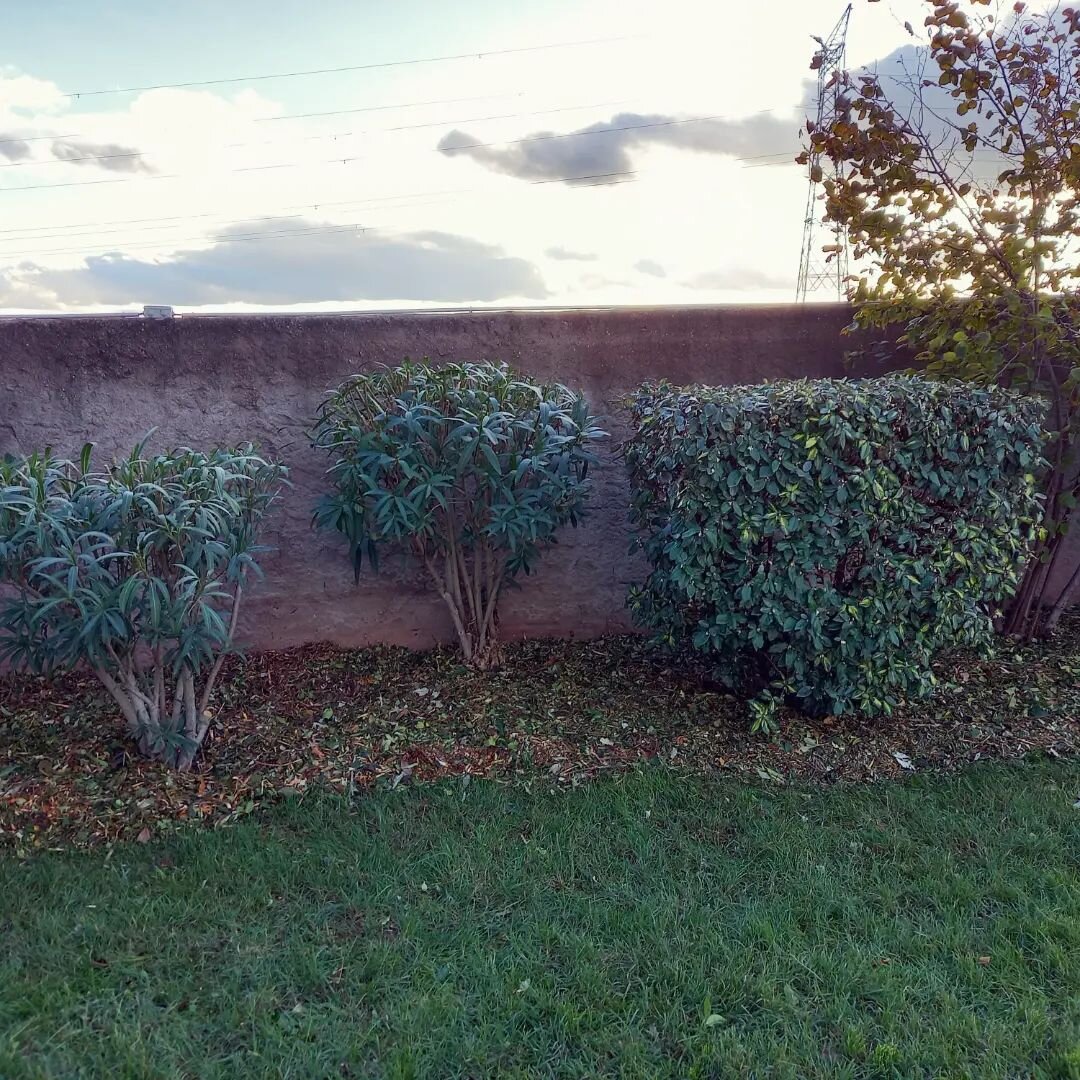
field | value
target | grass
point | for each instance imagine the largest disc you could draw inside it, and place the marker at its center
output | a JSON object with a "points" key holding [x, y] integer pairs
{"points": [[648, 925]]}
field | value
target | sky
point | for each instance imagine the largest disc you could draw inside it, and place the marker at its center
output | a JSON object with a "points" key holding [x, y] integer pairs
{"points": [[573, 152]]}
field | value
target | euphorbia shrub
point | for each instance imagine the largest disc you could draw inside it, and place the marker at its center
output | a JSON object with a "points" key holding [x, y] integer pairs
{"points": [[822, 541], [472, 467], [136, 572]]}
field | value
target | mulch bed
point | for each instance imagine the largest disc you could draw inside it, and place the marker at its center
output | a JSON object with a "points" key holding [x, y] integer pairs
{"points": [[558, 713]]}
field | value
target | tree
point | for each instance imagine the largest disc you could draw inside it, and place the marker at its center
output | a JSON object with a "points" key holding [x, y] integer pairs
{"points": [[472, 467], [957, 184], [135, 572]]}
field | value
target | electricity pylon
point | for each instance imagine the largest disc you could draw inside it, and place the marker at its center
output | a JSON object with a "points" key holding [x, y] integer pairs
{"points": [[816, 273]]}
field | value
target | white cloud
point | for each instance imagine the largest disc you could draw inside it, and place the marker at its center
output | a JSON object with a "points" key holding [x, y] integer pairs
{"points": [[283, 265], [464, 234], [569, 255], [113, 157], [650, 267], [603, 149], [12, 148], [737, 277], [22, 95]]}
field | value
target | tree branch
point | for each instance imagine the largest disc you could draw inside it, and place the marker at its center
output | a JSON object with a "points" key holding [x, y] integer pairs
{"points": [[234, 616], [440, 584]]}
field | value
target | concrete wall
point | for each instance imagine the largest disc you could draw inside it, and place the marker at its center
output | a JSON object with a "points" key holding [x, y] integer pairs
{"points": [[206, 380]]}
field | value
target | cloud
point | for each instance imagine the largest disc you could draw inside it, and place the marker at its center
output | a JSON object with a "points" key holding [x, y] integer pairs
{"points": [[604, 148], [594, 282], [651, 267], [13, 148], [279, 268], [566, 253], [109, 156], [26, 94], [930, 107], [901, 74], [738, 277]]}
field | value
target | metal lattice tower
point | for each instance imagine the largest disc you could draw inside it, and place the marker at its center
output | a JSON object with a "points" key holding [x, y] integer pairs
{"points": [[815, 272]]}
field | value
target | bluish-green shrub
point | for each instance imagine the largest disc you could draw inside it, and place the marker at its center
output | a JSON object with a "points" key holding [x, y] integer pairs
{"points": [[823, 540], [473, 468], [135, 571]]}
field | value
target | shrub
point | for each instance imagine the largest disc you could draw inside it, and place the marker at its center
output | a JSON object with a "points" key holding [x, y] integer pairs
{"points": [[135, 572], [823, 540], [472, 467]]}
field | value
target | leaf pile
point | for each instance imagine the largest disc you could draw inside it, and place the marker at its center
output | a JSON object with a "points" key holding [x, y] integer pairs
{"points": [[558, 713]]}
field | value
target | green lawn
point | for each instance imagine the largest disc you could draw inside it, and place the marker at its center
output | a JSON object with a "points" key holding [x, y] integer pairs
{"points": [[655, 924]]}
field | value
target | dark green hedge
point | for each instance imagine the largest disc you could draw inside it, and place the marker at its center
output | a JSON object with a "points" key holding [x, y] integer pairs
{"points": [[823, 540]]}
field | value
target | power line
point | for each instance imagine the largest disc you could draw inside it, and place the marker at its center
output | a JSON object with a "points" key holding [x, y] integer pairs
{"points": [[33, 138], [35, 163], [94, 233], [784, 154], [478, 55], [586, 176], [191, 217], [315, 205], [608, 178], [128, 154], [583, 134], [255, 120], [267, 119], [545, 136], [91, 183], [155, 222], [384, 108], [500, 116], [349, 226], [787, 160], [604, 179]]}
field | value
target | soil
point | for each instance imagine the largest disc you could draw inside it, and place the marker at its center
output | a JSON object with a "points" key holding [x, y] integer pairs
{"points": [[558, 713]]}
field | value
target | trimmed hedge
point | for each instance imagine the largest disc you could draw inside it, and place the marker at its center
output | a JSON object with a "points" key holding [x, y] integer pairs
{"points": [[823, 540]]}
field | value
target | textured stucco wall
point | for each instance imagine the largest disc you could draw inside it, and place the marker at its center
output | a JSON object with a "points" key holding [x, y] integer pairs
{"points": [[208, 380]]}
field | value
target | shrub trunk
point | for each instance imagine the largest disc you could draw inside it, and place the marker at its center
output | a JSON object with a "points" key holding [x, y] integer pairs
{"points": [[469, 583], [167, 722]]}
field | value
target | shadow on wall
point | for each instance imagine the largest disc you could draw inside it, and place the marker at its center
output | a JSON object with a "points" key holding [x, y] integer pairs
{"points": [[211, 380]]}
